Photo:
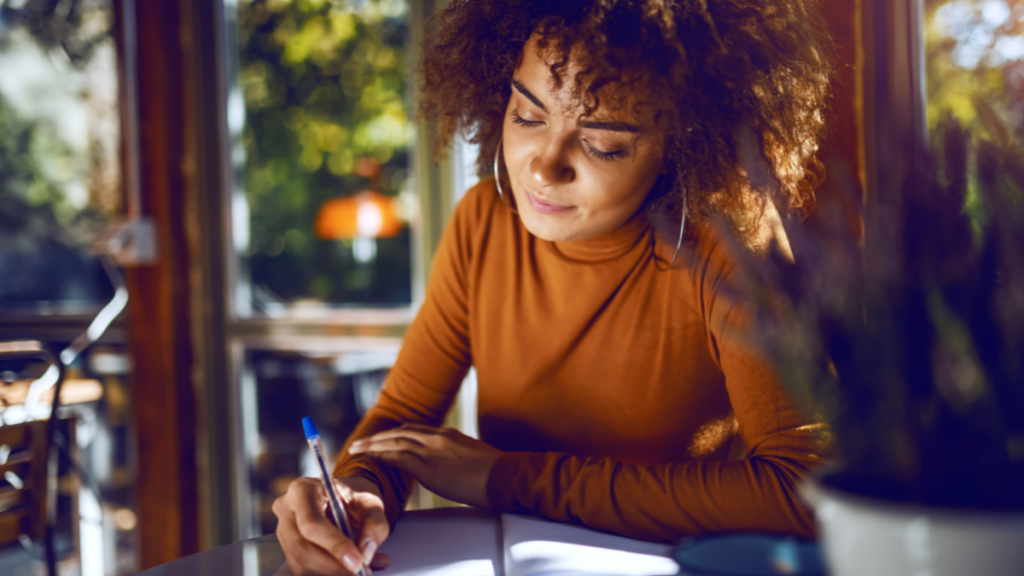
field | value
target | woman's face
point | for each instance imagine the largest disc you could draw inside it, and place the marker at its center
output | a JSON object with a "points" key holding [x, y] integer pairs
{"points": [[575, 177]]}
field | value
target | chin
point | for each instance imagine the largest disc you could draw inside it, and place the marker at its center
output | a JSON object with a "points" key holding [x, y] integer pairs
{"points": [[542, 227]]}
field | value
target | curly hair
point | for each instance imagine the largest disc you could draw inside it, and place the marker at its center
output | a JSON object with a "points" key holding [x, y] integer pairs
{"points": [[740, 84]]}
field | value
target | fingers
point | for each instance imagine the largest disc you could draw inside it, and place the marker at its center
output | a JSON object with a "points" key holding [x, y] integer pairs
{"points": [[367, 511], [421, 434], [407, 461], [393, 444], [304, 558], [418, 436], [375, 527], [312, 529], [375, 530], [380, 561]]}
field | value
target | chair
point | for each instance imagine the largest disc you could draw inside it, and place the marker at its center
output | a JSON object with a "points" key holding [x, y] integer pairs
{"points": [[28, 465], [23, 463]]}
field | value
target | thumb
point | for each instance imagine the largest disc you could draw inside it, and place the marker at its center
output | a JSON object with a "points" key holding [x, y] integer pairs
{"points": [[375, 530]]}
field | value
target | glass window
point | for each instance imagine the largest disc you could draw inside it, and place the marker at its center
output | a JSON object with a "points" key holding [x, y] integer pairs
{"points": [[60, 189], [324, 215], [59, 163], [321, 219], [974, 53], [335, 391]]}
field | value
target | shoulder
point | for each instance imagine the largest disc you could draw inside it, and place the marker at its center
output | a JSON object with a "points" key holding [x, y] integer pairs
{"points": [[717, 250], [478, 204], [480, 214], [477, 220]]}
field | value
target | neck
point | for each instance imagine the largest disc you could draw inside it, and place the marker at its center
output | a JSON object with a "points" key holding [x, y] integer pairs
{"points": [[609, 245]]}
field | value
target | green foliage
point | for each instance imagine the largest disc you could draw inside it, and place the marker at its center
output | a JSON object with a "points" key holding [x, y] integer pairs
{"points": [[34, 162], [41, 233], [967, 59], [324, 84], [31, 205], [71, 28]]}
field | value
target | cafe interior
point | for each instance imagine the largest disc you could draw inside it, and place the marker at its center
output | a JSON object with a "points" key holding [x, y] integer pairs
{"points": [[218, 217]]}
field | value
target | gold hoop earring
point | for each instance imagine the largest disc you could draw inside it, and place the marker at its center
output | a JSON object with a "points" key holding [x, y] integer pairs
{"points": [[682, 227], [497, 181]]}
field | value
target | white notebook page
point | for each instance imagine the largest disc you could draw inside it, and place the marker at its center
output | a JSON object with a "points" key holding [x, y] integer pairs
{"points": [[534, 547], [445, 542]]}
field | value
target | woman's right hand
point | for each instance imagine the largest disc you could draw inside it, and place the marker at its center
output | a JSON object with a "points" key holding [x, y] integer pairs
{"points": [[313, 545]]}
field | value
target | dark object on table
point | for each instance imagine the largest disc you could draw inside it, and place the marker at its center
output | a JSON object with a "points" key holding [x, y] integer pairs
{"points": [[748, 555]]}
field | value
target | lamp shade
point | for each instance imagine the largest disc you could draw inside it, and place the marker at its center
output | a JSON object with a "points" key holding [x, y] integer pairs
{"points": [[368, 214]]}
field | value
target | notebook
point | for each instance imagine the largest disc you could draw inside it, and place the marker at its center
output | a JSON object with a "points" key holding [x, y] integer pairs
{"points": [[472, 542]]}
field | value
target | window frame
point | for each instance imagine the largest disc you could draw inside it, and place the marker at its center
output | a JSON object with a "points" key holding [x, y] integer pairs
{"points": [[334, 331]]}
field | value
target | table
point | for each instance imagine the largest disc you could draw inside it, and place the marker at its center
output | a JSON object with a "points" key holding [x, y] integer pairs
{"points": [[470, 546], [474, 542]]}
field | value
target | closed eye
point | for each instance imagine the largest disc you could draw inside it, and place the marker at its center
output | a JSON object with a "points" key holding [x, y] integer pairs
{"points": [[601, 155], [517, 119]]}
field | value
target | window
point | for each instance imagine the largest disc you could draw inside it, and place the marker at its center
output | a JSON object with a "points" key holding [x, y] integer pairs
{"points": [[59, 158], [60, 191], [975, 51], [974, 55], [323, 211], [328, 240]]}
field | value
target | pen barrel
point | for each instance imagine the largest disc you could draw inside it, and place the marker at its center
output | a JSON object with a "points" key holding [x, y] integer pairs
{"points": [[337, 507]]}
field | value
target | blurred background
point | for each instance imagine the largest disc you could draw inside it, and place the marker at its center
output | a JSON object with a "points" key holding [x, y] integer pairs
{"points": [[275, 206]]}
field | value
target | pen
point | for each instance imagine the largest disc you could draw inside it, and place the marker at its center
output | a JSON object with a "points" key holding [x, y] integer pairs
{"points": [[340, 517]]}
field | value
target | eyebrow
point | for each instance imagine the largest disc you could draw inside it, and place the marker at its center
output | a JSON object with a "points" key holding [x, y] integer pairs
{"points": [[612, 126], [529, 95]]}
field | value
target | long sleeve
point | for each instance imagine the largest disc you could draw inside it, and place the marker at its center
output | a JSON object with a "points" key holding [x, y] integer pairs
{"points": [[668, 500], [431, 365]]}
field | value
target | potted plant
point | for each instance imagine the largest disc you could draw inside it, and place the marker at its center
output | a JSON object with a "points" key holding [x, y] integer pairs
{"points": [[910, 347]]}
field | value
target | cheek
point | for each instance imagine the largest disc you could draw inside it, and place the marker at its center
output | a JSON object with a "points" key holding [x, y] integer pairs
{"points": [[619, 186], [517, 150]]}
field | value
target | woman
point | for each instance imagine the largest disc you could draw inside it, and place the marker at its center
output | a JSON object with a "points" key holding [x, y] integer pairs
{"points": [[615, 387]]}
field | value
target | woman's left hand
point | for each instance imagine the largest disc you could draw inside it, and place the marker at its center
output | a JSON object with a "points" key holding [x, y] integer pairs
{"points": [[446, 461]]}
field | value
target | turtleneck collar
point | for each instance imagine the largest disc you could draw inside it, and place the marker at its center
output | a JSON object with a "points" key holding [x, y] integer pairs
{"points": [[607, 246]]}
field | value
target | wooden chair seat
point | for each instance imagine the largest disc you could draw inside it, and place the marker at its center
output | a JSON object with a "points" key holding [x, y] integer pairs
{"points": [[23, 460]]}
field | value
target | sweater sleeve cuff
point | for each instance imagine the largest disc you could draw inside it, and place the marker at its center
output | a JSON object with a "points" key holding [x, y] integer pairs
{"points": [[501, 482], [366, 467]]}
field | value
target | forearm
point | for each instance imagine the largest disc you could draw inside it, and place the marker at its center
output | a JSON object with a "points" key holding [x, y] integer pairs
{"points": [[395, 486], [659, 502]]}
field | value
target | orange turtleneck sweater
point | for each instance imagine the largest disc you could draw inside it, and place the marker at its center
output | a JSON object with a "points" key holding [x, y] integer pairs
{"points": [[617, 387]]}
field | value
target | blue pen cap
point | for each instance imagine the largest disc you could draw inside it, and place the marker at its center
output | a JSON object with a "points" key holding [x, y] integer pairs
{"points": [[309, 428]]}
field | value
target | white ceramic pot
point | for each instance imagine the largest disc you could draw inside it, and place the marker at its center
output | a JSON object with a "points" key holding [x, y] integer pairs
{"points": [[863, 536]]}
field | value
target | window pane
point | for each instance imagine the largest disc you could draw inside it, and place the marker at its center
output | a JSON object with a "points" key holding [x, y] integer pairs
{"points": [[975, 50], [323, 154], [975, 73], [334, 391], [59, 164]]}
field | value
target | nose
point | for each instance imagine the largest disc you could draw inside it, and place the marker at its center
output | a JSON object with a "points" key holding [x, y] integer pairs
{"points": [[551, 165]]}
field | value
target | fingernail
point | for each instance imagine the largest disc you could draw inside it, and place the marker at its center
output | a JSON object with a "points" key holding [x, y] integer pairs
{"points": [[369, 549], [351, 562]]}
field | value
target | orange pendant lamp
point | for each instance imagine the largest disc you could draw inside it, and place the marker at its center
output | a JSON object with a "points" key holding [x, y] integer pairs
{"points": [[368, 214]]}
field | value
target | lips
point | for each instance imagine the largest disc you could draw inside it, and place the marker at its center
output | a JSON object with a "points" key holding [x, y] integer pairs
{"points": [[545, 206]]}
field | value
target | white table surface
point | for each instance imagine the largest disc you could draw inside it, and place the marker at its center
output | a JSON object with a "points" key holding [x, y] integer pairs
{"points": [[469, 547]]}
